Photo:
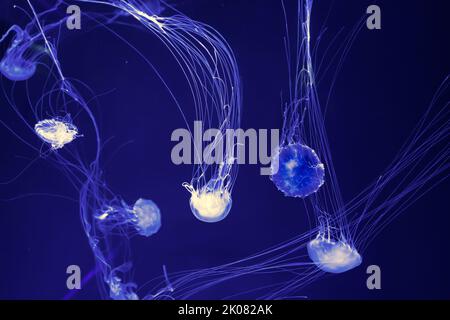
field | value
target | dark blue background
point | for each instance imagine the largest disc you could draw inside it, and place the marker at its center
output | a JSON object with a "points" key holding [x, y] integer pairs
{"points": [[386, 84]]}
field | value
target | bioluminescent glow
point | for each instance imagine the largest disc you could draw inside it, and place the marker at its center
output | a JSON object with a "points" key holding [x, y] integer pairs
{"points": [[148, 217], [333, 257], [210, 206], [56, 132]]}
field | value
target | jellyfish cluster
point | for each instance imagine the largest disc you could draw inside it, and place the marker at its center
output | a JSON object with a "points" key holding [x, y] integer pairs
{"points": [[210, 70], [302, 167]]}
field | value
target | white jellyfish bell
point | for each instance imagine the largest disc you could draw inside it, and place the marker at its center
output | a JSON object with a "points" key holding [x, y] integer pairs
{"points": [[333, 256], [210, 206], [56, 132]]}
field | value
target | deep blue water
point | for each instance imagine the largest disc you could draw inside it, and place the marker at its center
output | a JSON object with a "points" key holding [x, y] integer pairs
{"points": [[385, 85]]}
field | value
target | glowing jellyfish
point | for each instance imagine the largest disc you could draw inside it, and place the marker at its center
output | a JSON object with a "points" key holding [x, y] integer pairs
{"points": [[119, 291], [147, 217], [18, 64], [17, 70], [144, 217], [56, 132], [210, 69], [333, 256], [297, 170], [118, 288], [300, 172], [210, 206]]}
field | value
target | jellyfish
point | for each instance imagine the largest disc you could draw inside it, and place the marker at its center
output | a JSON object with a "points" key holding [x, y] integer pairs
{"points": [[121, 291], [333, 256], [144, 217], [300, 172], [18, 69], [209, 67], [210, 206], [56, 132], [297, 170], [19, 61], [147, 217]]}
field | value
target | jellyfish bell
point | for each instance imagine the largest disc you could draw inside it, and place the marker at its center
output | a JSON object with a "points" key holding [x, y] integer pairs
{"points": [[147, 217], [297, 170], [333, 256], [56, 132], [18, 69], [210, 205]]}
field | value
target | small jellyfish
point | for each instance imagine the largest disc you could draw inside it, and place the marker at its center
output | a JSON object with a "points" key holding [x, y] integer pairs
{"points": [[333, 256], [210, 206], [299, 171], [56, 132], [121, 291], [18, 69], [147, 217], [18, 64]]}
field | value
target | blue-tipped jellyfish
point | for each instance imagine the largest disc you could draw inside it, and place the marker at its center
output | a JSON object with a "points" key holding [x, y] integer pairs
{"points": [[300, 172]]}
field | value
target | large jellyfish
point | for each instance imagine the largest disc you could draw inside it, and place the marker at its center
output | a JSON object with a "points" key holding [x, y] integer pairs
{"points": [[210, 205], [144, 217]]}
